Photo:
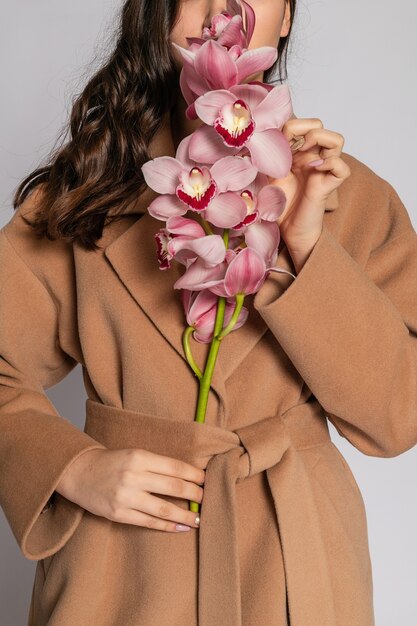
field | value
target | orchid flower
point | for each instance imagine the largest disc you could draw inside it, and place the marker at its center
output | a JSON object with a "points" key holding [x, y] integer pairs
{"points": [[242, 272], [245, 116], [245, 273], [264, 202], [185, 239], [212, 66], [185, 185]]}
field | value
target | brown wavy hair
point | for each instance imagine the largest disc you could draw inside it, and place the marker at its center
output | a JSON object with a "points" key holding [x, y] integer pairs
{"points": [[112, 123]]}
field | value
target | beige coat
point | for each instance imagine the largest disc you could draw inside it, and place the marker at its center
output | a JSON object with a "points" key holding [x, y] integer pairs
{"points": [[283, 534]]}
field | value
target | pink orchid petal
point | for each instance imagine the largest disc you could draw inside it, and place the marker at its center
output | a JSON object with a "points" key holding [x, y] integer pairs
{"points": [[185, 256], [208, 106], [233, 33], [202, 315], [235, 52], [195, 40], [252, 95], [199, 275], [234, 7], [218, 288], [264, 85], [271, 153], [214, 64], [249, 20], [186, 299], [218, 24], [209, 247], [245, 273], [233, 173], [272, 261], [166, 206], [264, 237], [225, 210], [274, 110], [204, 332], [187, 92], [196, 82], [206, 146], [188, 55], [178, 225], [190, 112], [161, 174], [206, 321], [260, 181], [253, 61], [271, 202], [200, 305], [205, 335], [182, 153]]}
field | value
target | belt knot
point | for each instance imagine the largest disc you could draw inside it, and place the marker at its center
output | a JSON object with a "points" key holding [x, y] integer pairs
{"points": [[263, 445]]}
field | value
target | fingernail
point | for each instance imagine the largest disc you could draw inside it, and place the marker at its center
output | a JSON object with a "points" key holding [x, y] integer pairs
{"points": [[317, 162], [182, 527]]}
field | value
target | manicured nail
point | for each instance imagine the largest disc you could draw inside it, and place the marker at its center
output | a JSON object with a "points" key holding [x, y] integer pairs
{"points": [[182, 527], [317, 162]]}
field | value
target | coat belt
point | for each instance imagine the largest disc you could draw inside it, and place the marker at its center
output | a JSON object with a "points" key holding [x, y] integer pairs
{"points": [[230, 456]]}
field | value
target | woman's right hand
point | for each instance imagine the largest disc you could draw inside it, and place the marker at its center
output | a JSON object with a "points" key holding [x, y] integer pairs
{"points": [[118, 485]]}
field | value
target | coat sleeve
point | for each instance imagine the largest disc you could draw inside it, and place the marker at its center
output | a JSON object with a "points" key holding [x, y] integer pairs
{"points": [[351, 332], [36, 444]]}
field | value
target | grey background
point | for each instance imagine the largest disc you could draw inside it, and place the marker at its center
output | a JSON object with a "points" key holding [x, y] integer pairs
{"points": [[352, 64]]}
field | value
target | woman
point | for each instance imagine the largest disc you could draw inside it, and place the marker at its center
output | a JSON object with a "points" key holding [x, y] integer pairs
{"points": [[282, 537]]}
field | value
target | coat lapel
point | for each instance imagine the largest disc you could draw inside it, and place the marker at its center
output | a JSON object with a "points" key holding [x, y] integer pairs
{"points": [[132, 254], [133, 257]]}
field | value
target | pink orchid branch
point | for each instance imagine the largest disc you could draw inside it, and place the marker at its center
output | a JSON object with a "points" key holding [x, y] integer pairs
{"points": [[220, 211]]}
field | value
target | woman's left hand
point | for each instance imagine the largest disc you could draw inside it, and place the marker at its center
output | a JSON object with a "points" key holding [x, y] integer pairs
{"points": [[308, 187]]}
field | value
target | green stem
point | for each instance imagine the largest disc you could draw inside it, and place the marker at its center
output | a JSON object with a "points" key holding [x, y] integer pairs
{"points": [[207, 376], [205, 224], [240, 298], [211, 362], [187, 350], [205, 380]]}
